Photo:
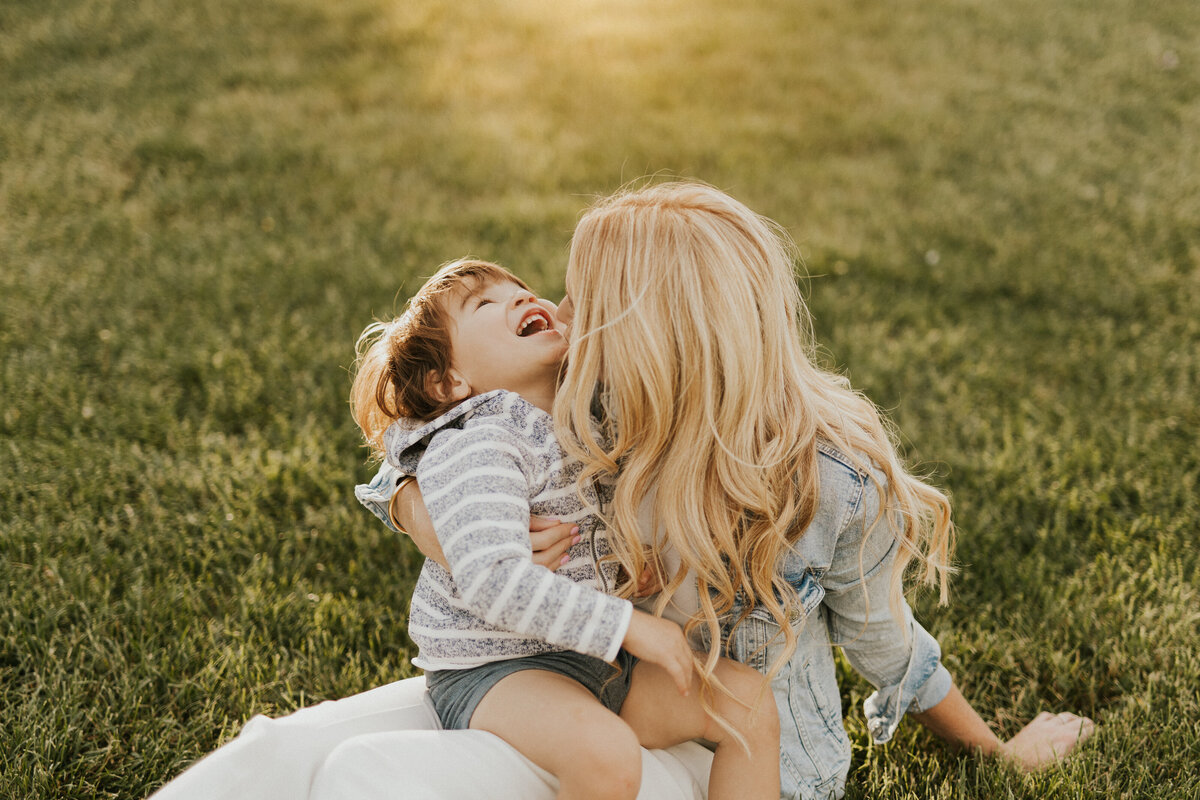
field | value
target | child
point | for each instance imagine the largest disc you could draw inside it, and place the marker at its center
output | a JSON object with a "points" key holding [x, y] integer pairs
{"points": [[458, 391]]}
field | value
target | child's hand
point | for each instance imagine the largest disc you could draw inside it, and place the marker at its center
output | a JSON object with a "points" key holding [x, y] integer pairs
{"points": [[661, 642], [550, 540]]}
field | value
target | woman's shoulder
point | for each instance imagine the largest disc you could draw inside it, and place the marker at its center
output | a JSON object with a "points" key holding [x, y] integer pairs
{"points": [[848, 490], [846, 474]]}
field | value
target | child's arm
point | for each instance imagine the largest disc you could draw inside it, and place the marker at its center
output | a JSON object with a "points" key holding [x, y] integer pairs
{"points": [[477, 493]]}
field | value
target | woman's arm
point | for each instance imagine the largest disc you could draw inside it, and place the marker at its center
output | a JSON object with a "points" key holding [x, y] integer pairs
{"points": [[901, 658], [549, 537]]}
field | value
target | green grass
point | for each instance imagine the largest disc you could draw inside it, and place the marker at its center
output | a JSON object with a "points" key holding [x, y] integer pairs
{"points": [[203, 202]]}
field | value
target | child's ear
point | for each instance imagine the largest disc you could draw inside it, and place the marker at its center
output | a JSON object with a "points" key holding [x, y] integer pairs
{"points": [[449, 388]]}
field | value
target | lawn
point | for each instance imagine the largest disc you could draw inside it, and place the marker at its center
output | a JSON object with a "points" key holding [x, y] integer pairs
{"points": [[202, 203]]}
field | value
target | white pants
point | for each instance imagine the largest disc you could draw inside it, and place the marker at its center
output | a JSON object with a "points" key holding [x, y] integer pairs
{"points": [[386, 744]]}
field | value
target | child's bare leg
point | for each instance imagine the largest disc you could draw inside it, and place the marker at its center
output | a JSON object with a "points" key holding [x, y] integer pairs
{"points": [[559, 725], [662, 717]]}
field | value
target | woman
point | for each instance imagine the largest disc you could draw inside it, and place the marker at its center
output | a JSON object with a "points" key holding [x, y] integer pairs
{"points": [[735, 449]]}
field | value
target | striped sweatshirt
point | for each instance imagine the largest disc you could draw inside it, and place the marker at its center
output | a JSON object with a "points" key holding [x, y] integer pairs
{"points": [[483, 468]]}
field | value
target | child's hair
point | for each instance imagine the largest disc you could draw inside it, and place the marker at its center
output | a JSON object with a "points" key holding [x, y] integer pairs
{"points": [[690, 326], [400, 363]]}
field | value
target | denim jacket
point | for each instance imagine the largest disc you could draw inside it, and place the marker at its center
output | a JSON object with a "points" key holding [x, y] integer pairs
{"points": [[843, 585]]}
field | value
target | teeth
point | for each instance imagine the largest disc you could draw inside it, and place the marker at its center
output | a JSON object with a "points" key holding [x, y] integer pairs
{"points": [[530, 320]]}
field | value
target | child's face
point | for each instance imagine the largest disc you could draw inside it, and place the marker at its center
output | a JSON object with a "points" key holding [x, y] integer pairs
{"points": [[505, 337]]}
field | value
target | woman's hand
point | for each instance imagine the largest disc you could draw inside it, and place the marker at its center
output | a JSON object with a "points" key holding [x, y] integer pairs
{"points": [[1047, 739], [650, 582], [661, 642], [551, 539]]}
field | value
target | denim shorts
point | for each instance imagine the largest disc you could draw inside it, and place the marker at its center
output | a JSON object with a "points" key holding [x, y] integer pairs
{"points": [[456, 693]]}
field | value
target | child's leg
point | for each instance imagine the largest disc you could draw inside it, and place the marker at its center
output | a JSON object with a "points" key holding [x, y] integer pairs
{"points": [[559, 725], [662, 717]]}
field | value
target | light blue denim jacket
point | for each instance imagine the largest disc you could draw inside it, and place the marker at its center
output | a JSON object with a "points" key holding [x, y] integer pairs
{"points": [[843, 586]]}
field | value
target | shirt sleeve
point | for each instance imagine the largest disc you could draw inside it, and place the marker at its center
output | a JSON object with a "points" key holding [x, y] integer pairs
{"points": [[892, 651], [477, 494]]}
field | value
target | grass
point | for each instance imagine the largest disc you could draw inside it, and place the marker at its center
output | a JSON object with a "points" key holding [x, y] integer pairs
{"points": [[202, 203]]}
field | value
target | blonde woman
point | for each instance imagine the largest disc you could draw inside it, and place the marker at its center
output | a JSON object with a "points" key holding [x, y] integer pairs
{"points": [[740, 451]]}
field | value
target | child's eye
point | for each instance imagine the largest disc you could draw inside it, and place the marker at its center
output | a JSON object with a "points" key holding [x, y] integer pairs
{"points": [[483, 301]]}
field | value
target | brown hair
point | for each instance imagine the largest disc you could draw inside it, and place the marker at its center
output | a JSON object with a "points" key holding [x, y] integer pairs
{"points": [[399, 362]]}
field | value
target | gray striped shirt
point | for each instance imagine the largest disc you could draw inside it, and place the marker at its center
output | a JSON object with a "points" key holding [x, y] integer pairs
{"points": [[483, 468]]}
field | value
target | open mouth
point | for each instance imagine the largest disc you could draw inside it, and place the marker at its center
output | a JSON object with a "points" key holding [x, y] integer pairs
{"points": [[536, 321]]}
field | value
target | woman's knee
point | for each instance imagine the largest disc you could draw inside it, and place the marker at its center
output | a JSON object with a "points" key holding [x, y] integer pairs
{"points": [[343, 769]]}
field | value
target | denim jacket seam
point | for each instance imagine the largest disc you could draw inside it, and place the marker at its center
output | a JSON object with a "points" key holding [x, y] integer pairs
{"points": [[858, 478], [840, 457], [855, 506]]}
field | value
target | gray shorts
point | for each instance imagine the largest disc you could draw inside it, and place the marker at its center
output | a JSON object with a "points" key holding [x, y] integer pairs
{"points": [[457, 692]]}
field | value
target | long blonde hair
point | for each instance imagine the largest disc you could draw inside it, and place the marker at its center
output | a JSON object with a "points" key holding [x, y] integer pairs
{"points": [[690, 331]]}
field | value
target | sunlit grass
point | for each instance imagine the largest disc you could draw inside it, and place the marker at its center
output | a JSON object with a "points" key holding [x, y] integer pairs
{"points": [[202, 204]]}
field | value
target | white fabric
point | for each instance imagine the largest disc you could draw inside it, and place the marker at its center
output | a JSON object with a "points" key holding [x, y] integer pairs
{"points": [[385, 744]]}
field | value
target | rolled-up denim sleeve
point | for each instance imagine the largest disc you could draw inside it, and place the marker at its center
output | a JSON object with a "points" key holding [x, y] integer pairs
{"points": [[378, 493], [893, 652]]}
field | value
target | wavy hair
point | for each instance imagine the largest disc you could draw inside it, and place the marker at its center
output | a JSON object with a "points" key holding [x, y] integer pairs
{"points": [[690, 333]]}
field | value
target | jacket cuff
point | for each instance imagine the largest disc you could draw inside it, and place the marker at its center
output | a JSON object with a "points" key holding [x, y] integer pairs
{"points": [[925, 684], [376, 495]]}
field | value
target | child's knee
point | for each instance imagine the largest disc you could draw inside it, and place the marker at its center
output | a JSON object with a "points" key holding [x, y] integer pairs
{"points": [[609, 761]]}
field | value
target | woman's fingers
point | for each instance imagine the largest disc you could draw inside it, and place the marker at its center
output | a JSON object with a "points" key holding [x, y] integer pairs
{"points": [[648, 583], [553, 535], [550, 542], [537, 523]]}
